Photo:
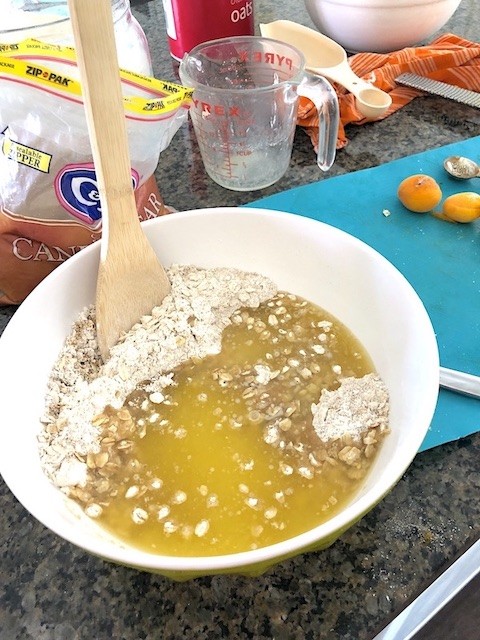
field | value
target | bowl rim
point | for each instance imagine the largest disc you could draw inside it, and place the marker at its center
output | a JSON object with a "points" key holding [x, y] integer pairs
{"points": [[384, 4], [270, 554]]}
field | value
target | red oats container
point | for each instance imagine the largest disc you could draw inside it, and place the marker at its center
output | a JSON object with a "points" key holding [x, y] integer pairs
{"points": [[190, 22]]}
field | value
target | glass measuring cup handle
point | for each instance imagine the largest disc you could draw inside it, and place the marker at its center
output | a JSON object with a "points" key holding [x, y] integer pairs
{"points": [[323, 96]]}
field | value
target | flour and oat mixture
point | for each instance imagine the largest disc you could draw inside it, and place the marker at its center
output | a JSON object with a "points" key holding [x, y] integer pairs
{"points": [[188, 324]]}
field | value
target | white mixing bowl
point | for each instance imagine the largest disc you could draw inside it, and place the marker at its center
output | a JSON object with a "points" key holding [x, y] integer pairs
{"points": [[380, 25], [337, 271]]}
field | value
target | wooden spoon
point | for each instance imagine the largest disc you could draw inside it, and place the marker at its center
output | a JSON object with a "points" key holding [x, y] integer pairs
{"points": [[131, 280]]}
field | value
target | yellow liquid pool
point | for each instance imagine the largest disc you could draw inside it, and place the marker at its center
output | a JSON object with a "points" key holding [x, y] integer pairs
{"points": [[228, 461]]}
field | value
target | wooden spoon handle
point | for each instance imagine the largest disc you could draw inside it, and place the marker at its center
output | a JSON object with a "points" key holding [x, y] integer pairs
{"points": [[92, 23], [131, 280]]}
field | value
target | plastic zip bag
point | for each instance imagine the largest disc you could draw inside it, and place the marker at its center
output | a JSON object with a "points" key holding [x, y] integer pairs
{"points": [[49, 203]]}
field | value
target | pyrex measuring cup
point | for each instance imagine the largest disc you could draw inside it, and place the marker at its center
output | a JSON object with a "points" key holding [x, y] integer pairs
{"points": [[245, 107]]}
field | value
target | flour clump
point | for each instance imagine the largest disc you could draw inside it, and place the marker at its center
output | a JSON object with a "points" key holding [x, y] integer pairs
{"points": [[358, 405]]}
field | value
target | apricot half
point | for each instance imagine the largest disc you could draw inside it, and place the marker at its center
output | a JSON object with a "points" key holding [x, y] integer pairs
{"points": [[462, 207]]}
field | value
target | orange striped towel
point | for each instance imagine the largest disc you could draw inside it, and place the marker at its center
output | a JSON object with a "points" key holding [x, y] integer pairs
{"points": [[449, 58]]}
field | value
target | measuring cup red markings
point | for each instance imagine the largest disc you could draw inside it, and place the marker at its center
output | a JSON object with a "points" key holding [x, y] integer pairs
{"points": [[269, 57], [215, 109]]}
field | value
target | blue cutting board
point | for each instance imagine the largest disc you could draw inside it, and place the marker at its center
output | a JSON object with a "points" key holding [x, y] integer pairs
{"points": [[440, 260]]}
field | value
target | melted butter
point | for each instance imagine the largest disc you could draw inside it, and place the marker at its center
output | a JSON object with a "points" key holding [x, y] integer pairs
{"points": [[229, 461]]}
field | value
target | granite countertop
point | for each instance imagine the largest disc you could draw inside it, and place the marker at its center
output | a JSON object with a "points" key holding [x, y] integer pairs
{"points": [[50, 590]]}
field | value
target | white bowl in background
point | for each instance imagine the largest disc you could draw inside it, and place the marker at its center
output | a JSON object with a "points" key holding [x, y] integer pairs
{"points": [[328, 266], [380, 25]]}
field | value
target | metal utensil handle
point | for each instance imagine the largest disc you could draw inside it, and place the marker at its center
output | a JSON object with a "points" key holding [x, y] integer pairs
{"points": [[472, 98], [465, 383]]}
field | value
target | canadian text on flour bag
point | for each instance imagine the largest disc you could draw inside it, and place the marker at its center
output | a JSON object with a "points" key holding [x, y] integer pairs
{"points": [[49, 202]]}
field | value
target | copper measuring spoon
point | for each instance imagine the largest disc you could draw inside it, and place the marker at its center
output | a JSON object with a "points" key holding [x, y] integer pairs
{"points": [[461, 167]]}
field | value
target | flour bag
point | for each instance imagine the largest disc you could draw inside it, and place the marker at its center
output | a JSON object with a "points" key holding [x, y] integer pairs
{"points": [[49, 203]]}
